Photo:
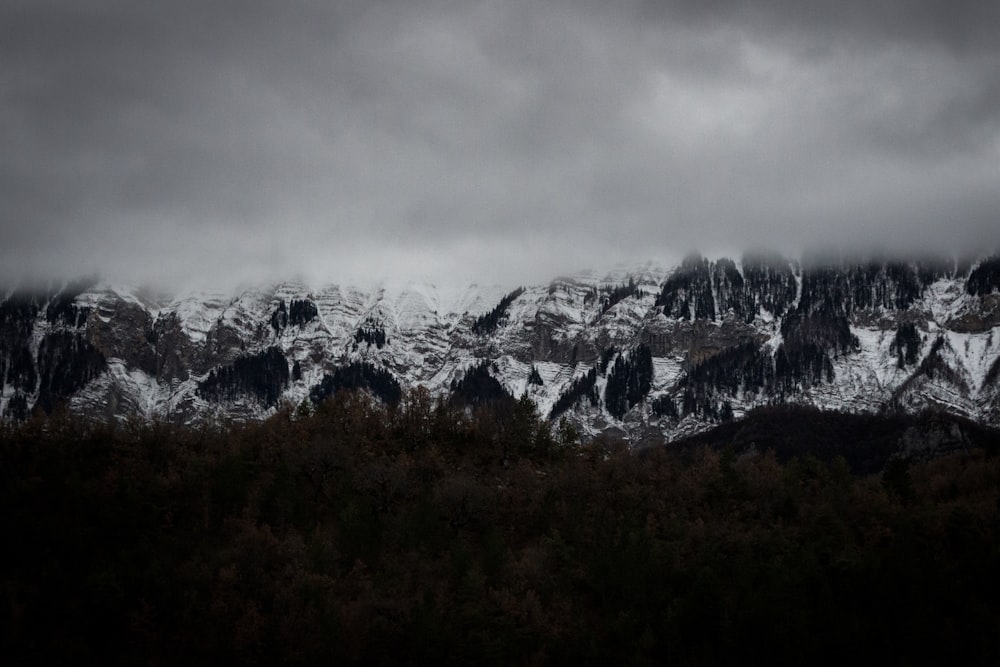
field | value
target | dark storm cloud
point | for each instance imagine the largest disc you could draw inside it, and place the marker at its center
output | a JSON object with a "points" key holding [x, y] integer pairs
{"points": [[490, 140], [961, 26]]}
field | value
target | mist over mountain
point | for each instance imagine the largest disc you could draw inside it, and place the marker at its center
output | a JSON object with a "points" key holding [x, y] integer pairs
{"points": [[497, 141]]}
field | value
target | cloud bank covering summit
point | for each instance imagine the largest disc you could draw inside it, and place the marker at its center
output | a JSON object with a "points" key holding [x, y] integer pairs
{"points": [[219, 142]]}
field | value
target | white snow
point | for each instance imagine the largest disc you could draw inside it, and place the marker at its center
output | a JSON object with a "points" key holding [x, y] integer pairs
{"points": [[431, 342]]}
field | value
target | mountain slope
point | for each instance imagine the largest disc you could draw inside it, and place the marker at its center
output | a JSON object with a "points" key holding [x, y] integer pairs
{"points": [[721, 337]]}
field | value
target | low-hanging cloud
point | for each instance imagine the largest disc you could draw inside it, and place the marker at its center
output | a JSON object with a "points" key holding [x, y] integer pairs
{"points": [[508, 141]]}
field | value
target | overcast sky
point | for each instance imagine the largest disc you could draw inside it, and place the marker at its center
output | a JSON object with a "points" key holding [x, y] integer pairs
{"points": [[494, 141]]}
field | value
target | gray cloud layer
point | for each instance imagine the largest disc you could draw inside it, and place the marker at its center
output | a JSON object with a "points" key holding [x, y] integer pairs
{"points": [[500, 140]]}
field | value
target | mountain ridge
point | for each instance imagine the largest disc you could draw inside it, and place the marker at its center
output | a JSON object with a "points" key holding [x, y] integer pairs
{"points": [[722, 336]]}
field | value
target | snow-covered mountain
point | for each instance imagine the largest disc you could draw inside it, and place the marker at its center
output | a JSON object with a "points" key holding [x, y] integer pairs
{"points": [[646, 352]]}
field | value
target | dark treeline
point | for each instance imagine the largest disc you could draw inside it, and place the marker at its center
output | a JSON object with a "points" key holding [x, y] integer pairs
{"points": [[262, 375], [866, 443], [846, 287], [17, 317], [687, 293], [616, 295], [985, 278], [62, 309], [298, 313], [664, 406], [66, 362], [629, 381], [769, 284], [372, 333], [359, 375], [301, 311], [701, 289], [425, 531], [934, 365], [580, 388], [709, 384], [489, 322], [477, 387], [811, 340], [906, 345]]}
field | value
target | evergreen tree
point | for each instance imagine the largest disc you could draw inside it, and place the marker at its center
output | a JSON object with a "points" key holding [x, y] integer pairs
{"points": [[743, 367], [478, 387], [488, 323], [730, 290], [17, 323], [629, 381], [62, 307], [606, 358], [985, 278], [358, 375], [372, 332], [581, 387], [301, 311], [279, 318], [263, 375], [687, 293], [769, 283], [906, 345], [664, 406], [616, 294], [66, 363]]}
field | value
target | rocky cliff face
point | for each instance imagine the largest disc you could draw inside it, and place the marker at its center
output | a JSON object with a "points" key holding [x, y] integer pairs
{"points": [[718, 337]]}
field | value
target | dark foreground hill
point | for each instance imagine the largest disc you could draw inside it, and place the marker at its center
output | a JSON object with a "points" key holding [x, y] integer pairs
{"points": [[866, 442], [367, 534]]}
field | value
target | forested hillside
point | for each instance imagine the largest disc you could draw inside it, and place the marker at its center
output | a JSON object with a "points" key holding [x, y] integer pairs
{"points": [[367, 532]]}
